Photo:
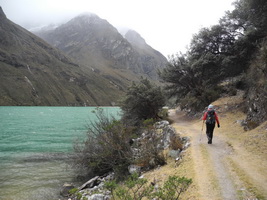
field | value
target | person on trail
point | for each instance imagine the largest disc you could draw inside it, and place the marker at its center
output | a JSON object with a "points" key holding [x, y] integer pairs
{"points": [[211, 117]]}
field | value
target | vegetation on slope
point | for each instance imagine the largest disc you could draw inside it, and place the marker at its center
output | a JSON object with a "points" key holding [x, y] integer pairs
{"points": [[108, 144], [223, 51], [34, 73]]}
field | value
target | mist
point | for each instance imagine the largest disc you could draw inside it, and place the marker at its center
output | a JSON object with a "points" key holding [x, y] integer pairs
{"points": [[167, 26], [32, 14]]}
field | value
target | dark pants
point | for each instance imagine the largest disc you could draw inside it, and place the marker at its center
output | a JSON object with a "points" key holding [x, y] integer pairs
{"points": [[209, 132]]}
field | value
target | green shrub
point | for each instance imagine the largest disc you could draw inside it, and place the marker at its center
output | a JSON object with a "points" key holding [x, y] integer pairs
{"points": [[73, 190], [148, 123], [111, 186], [75, 193], [163, 113], [173, 188], [136, 188], [142, 101]]}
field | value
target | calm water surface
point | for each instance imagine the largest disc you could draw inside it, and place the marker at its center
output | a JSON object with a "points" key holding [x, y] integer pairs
{"points": [[34, 146]]}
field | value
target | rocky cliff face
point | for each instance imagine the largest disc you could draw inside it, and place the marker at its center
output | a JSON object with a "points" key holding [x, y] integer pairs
{"points": [[257, 106], [35, 73], [256, 95], [94, 42]]}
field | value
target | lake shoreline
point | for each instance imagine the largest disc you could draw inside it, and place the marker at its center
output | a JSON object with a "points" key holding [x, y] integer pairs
{"points": [[35, 145]]}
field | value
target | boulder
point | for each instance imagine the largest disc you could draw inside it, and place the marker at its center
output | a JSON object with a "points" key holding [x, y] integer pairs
{"points": [[167, 133], [91, 183]]}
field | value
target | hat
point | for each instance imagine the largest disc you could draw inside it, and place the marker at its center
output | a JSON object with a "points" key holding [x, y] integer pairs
{"points": [[210, 106]]}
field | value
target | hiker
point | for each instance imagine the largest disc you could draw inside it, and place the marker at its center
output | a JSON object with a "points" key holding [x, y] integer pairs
{"points": [[211, 118]]}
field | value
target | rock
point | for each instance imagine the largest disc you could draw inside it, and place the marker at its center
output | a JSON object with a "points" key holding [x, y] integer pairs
{"points": [[168, 132], [134, 169], [174, 153], [161, 124], [91, 183], [187, 145], [98, 197], [109, 177], [65, 189]]}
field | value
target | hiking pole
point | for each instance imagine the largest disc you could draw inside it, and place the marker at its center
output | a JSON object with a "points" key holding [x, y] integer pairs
{"points": [[201, 131]]}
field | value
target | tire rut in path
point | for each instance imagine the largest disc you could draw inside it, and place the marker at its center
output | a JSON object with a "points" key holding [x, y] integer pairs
{"points": [[218, 151]]}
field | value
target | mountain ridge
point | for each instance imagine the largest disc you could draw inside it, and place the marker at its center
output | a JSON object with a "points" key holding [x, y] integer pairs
{"points": [[35, 73], [90, 67], [92, 40]]}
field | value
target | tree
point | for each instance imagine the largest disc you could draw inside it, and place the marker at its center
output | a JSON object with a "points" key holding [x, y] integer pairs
{"points": [[216, 53], [247, 23], [191, 81], [215, 40], [143, 101], [250, 16]]}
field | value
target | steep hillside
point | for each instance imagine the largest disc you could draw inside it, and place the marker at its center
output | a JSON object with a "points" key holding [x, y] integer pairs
{"points": [[256, 94], [94, 42], [150, 55], [34, 73]]}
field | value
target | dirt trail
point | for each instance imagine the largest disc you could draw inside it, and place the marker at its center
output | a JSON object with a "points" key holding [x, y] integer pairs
{"points": [[219, 167], [212, 176]]}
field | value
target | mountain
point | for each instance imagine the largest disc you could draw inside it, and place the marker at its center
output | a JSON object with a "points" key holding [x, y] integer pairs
{"points": [[35, 73], [94, 42], [135, 39]]}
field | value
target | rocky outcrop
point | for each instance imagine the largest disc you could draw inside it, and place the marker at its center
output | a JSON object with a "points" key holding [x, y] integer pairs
{"points": [[94, 188], [257, 107], [256, 95], [2, 14]]}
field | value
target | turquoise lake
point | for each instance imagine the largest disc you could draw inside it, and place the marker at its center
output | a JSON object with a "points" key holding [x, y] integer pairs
{"points": [[34, 146]]}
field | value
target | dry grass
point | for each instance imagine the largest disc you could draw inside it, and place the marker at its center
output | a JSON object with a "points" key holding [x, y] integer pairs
{"points": [[252, 191], [185, 168]]}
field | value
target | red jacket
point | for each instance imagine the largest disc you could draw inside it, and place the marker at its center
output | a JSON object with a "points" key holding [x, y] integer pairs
{"points": [[216, 116]]}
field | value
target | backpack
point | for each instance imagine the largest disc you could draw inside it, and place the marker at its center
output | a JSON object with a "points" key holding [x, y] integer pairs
{"points": [[210, 117]]}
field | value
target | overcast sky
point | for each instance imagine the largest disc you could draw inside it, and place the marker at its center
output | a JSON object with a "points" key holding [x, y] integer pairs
{"points": [[166, 25]]}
